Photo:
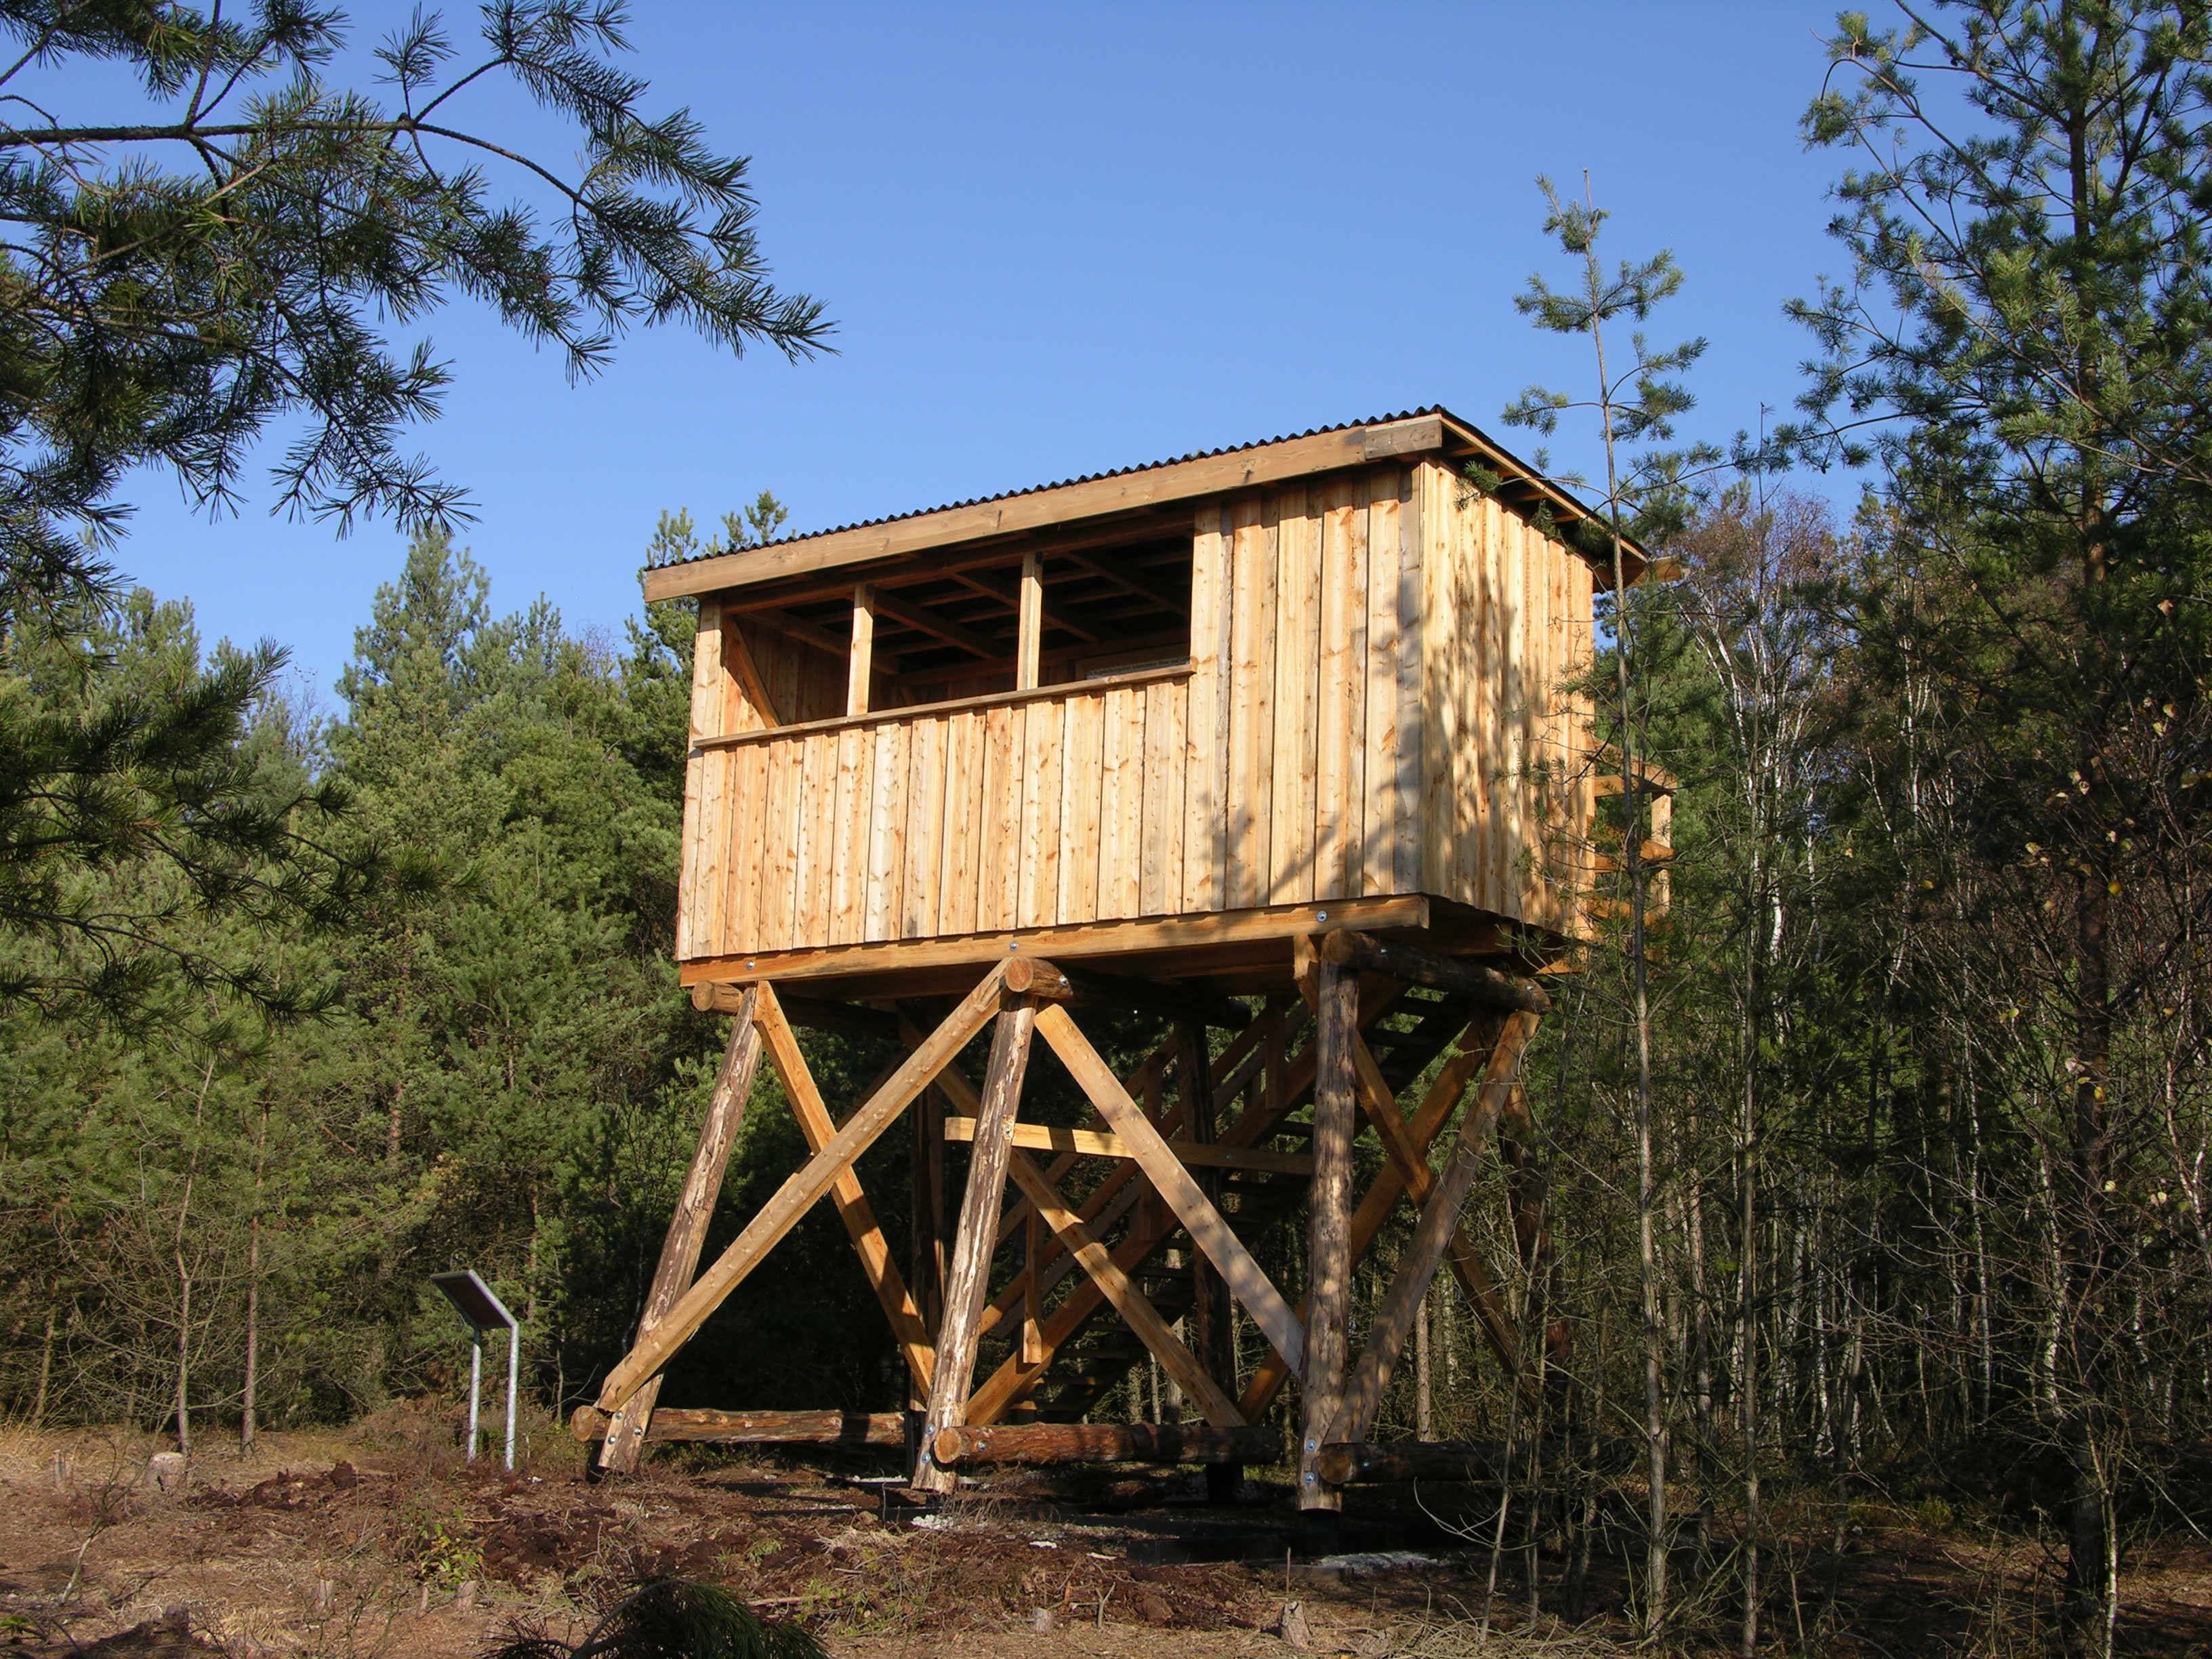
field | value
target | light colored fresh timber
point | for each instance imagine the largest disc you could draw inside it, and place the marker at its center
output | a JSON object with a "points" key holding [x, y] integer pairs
{"points": [[853, 1209], [1246, 1280], [1082, 785], [1328, 1226], [1375, 855], [1349, 948], [862, 668], [1127, 494], [1432, 1235], [1369, 1462], [1373, 706], [626, 1429], [832, 1428], [1204, 824], [1251, 693], [739, 661], [998, 896], [966, 1281], [1108, 1443], [1029, 623], [1104, 682], [1136, 1311], [1298, 659], [802, 1191], [1095, 1143], [1087, 940]]}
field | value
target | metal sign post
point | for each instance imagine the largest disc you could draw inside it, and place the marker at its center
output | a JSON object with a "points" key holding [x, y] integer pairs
{"points": [[481, 1311]]}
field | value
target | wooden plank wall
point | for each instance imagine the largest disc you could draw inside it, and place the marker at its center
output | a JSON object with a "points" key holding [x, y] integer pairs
{"points": [[1374, 670], [1508, 790]]}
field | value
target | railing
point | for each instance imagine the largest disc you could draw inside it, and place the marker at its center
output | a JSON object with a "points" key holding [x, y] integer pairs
{"points": [[1068, 804]]}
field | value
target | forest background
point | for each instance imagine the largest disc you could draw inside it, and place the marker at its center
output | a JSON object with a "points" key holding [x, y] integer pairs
{"points": [[300, 1008]]}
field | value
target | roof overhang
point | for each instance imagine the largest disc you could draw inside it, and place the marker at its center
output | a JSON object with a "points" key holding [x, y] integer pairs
{"points": [[1435, 434]]}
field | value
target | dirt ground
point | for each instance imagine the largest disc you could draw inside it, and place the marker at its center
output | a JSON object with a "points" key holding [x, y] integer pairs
{"points": [[379, 1541]]}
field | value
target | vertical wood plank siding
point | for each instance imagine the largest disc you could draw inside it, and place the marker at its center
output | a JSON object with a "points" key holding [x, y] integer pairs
{"points": [[1377, 703]]}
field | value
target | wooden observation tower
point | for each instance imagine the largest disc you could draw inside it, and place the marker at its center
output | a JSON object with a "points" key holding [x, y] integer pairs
{"points": [[1275, 743]]}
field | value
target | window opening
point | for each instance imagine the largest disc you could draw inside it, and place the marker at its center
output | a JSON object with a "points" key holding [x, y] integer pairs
{"points": [[973, 625]]}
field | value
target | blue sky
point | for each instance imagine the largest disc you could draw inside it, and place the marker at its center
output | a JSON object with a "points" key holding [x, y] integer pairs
{"points": [[1062, 239]]}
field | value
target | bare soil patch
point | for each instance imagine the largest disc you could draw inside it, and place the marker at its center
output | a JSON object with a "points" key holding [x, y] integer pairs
{"points": [[380, 1541]]}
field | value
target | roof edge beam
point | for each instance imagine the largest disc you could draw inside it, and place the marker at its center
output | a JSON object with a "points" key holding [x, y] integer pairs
{"points": [[1203, 475]]}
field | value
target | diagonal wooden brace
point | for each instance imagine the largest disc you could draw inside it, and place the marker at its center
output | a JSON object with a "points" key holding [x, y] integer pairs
{"points": [[625, 1433], [1432, 1235], [1472, 1045], [1464, 1256], [1118, 1288], [802, 1191], [852, 1206], [1248, 1282]]}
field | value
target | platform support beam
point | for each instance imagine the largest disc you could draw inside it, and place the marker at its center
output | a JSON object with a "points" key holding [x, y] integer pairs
{"points": [[1328, 1227], [966, 1279], [802, 1191], [626, 1429]]}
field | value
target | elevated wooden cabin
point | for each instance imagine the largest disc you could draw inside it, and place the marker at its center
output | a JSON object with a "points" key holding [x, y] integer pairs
{"points": [[1209, 697], [1281, 745]]}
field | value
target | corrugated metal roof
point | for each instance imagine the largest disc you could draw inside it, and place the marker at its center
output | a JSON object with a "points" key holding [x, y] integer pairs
{"points": [[1089, 478]]}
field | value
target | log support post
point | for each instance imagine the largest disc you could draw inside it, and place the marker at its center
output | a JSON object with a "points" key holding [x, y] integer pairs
{"points": [[966, 1278], [1328, 1239], [1432, 1236], [625, 1430]]}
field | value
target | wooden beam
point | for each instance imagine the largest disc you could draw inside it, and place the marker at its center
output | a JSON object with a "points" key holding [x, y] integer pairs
{"points": [[1118, 1193], [626, 1429], [1029, 638], [1473, 1047], [1349, 948], [915, 711], [1048, 617], [1246, 1280], [1411, 1163], [739, 662], [832, 1428], [907, 1326], [1002, 553], [802, 1191], [861, 667], [967, 1281], [1328, 1226], [1098, 1143], [1108, 1443], [1118, 1288], [1084, 939], [1432, 1234], [926, 622], [1144, 487]]}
